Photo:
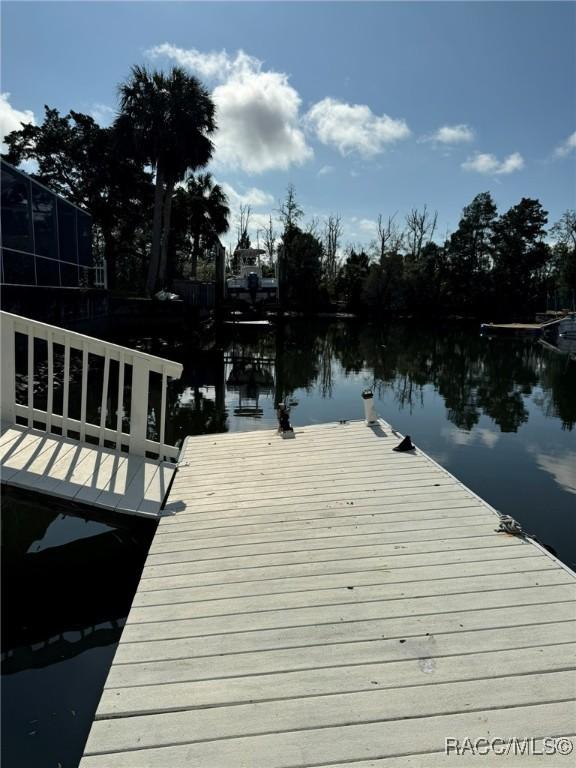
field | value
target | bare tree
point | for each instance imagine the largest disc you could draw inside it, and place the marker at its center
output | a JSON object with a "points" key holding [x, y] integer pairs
{"points": [[390, 238], [564, 231], [270, 239], [332, 236], [289, 210], [313, 226], [242, 226], [420, 227]]}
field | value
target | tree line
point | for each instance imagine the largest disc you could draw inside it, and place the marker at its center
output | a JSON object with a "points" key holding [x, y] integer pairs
{"points": [[491, 266], [153, 210], [158, 215]]}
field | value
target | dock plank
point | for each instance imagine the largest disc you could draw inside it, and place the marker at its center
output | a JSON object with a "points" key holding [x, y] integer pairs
{"points": [[439, 548], [325, 601], [350, 581], [328, 711], [489, 556], [312, 616], [366, 741], [338, 632], [305, 599], [339, 679], [427, 646]]}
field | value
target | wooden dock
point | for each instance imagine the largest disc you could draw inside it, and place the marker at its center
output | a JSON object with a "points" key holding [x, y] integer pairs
{"points": [[325, 601], [34, 460]]}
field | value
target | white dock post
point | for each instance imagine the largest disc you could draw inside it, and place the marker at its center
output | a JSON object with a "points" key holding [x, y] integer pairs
{"points": [[369, 411]]}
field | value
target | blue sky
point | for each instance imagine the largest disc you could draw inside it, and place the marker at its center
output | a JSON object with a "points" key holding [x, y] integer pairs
{"points": [[366, 108]]}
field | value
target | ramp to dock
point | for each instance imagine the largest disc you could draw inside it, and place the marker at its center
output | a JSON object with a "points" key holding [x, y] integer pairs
{"points": [[56, 466], [325, 601]]}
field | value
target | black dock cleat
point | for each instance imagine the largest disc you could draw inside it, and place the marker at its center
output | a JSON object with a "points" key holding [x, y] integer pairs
{"points": [[405, 445]]}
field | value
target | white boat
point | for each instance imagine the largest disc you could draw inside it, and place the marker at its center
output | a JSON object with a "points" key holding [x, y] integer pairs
{"points": [[248, 285], [567, 327]]}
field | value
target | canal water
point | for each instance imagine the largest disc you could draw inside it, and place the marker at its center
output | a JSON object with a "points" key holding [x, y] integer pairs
{"points": [[500, 414]]}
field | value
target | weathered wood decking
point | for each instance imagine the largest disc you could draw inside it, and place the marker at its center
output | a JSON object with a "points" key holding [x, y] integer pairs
{"points": [[35, 460], [324, 601]]}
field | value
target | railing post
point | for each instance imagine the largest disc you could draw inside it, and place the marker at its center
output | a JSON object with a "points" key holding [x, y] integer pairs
{"points": [[84, 392], [30, 375], [139, 407], [162, 434], [120, 405], [66, 388], [50, 398], [8, 374]]}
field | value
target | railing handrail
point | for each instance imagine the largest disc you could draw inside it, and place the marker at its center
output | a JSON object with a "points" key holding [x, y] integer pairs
{"points": [[95, 346], [142, 364]]}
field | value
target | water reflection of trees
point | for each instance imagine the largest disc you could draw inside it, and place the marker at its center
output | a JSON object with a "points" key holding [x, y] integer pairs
{"points": [[190, 410], [558, 381], [298, 359], [475, 376]]}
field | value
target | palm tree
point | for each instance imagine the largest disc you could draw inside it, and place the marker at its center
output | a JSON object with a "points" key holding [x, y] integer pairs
{"points": [[208, 214], [166, 119]]}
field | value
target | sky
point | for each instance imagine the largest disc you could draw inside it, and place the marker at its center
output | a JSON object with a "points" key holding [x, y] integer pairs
{"points": [[367, 108]]}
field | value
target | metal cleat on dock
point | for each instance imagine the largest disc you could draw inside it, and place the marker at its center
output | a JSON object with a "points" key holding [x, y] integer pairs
{"points": [[405, 445], [284, 427], [509, 525]]}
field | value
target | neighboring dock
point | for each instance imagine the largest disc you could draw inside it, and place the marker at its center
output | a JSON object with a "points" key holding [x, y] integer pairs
{"points": [[521, 329], [325, 601], [524, 329]]}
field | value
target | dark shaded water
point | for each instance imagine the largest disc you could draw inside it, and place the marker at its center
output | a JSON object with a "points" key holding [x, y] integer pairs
{"points": [[499, 414]]}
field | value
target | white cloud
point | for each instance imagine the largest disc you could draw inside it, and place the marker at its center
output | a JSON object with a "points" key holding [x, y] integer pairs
{"points": [[364, 226], [451, 134], [103, 114], [368, 226], [254, 197], [487, 437], [490, 165], [359, 230], [567, 146], [257, 111], [215, 65], [457, 436], [11, 118], [354, 127], [325, 170], [561, 467]]}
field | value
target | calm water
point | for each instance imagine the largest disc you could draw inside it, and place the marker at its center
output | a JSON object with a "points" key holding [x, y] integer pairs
{"points": [[499, 414]]}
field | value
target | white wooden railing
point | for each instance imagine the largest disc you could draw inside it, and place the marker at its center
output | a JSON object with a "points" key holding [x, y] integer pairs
{"points": [[135, 400]]}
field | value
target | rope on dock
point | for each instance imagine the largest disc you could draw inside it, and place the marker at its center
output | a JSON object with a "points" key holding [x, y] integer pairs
{"points": [[509, 525]]}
